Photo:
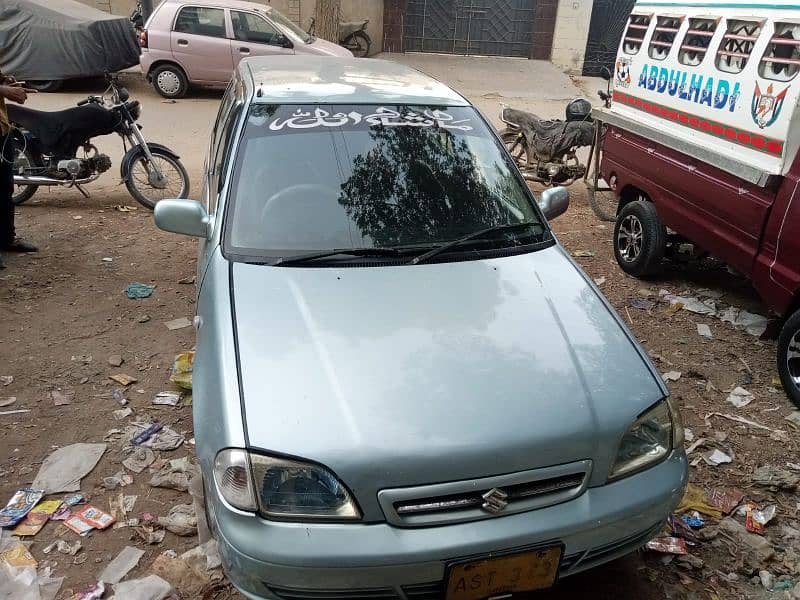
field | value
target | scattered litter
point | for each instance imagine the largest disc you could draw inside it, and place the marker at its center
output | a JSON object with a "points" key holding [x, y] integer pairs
{"points": [[164, 439], [167, 398], [584, 253], [87, 519], [780, 436], [695, 499], [139, 460], [61, 398], [125, 208], [122, 564], [115, 360], [107, 259], [757, 543], [151, 587], [705, 331], [37, 518], [691, 304], [146, 433], [8, 401], [757, 519], [716, 458], [688, 434], [82, 358], [794, 418], [119, 396], [599, 281], [14, 412], [641, 303], [21, 503], [179, 323], [143, 319], [149, 535], [672, 375], [175, 474], [667, 545], [726, 500], [139, 291], [78, 525], [699, 442], [26, 584], [123, 379], [93, 592], [181, 520], [120, 506], [120, 479], [694, 520], [740, 397], [186, 580], [182, 370], [63, 469], [737, 419], [15, 554], [6, 379], [188, 280], [752, 323], [122, 413], [767, 580], [688, 561], [63, 547], [204, 557], [775, 478]]}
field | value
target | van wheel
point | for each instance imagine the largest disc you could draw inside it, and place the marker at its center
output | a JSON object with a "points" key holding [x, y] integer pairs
{"points": [[789, 358], [640, 239], [170, 81]]}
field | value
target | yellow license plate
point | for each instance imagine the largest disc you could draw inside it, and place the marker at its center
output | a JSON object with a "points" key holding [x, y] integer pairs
{"points": [[524, 572]]}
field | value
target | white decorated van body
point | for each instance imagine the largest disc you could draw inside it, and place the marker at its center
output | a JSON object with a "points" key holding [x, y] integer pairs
{"points": [[717, 80]]}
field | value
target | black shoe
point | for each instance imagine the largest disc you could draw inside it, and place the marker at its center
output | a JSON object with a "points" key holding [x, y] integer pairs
{"points": [[19, 245]]}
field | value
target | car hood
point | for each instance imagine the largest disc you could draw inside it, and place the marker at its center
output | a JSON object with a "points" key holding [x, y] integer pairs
{"points": [[404, 375], [323, 47]]}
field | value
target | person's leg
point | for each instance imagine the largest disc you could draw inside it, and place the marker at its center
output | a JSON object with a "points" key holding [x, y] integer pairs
{"points": [[8, 239]]}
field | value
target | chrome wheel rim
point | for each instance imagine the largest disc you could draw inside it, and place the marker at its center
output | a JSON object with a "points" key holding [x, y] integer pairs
{"points": [[793, 359], [171, 184], [629, 238], [168, 82]]}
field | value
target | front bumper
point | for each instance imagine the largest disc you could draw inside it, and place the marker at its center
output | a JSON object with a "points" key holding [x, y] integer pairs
{"points": [[277, 560]]}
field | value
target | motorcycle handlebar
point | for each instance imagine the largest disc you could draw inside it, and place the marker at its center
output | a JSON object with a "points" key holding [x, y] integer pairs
{"points": [[84, 102]]}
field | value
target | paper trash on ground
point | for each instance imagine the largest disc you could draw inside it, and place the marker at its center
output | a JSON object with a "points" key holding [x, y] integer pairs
{"points": [[122, 564], [64, 468]]}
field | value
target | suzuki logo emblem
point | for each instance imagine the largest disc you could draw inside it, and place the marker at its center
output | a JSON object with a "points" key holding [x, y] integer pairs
{"points": [[494, 501]]}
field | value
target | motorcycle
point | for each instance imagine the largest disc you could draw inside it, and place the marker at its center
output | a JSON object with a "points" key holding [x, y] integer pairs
{"points": [[55, 149], [352, 35], [545, 150]]}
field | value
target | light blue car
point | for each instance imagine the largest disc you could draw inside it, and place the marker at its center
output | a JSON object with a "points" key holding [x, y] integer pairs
{"points": [[404, 388]]}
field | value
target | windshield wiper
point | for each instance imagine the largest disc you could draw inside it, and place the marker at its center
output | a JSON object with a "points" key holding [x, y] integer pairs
{"points": [[292, 260], [468, 238]]}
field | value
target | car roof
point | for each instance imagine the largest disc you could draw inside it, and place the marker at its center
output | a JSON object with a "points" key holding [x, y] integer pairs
{"points": [[298, 79], [240, 4]]}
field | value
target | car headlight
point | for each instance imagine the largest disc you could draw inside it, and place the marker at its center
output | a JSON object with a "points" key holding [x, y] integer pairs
{"points": [[291, 489], [282, 488], [649, 440]]}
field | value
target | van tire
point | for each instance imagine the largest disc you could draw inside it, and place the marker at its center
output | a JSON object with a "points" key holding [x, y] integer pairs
{"points": [[170, 81], [789, 357], [640, 239]]}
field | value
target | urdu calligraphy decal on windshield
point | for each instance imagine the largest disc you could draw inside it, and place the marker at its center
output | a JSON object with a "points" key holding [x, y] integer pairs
{"points": [[383, 116]]}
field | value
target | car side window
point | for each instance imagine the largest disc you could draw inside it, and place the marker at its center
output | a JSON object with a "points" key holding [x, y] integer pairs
{"points": [[198, 20], [248, 27], [222, 151]]}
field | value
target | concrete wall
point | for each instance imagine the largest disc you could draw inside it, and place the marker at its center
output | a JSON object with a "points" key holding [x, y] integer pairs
{"points": [[571, 33], [300, 11]]}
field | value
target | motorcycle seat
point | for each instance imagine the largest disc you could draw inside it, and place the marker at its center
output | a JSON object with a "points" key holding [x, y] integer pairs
{"points": [[63, 129], [349, 27]]}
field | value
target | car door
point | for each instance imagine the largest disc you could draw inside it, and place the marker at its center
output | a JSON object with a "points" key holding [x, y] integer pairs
{"points": [[255, 36], [199, 41]]}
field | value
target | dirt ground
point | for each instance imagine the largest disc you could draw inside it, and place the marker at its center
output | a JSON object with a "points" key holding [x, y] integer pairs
{"points": [[64, 313]]}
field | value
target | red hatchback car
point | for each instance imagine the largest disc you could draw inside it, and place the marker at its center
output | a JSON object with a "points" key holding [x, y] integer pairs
{"points": [[701, 144]]}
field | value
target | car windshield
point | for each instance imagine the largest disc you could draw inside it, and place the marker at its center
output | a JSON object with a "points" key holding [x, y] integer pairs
{"points": [[284, 23], [322, 177]]}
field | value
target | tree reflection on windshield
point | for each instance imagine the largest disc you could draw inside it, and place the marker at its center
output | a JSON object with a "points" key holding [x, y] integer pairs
{"points": [[418, 185]]}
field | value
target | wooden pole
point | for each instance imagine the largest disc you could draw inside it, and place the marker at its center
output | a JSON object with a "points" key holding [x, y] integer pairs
{"points": [[326, 25]]}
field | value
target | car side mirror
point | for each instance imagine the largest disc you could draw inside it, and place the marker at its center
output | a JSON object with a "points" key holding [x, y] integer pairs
{"points": [[605, 73], [187, 217], [554, 202], [284, 42]]}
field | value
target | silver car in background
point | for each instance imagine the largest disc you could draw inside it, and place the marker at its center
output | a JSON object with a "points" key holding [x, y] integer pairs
{"points": [[404, 386]]}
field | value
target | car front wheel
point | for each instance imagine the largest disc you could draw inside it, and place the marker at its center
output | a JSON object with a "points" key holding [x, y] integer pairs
{"points": [[640, 239], [789, 357]]}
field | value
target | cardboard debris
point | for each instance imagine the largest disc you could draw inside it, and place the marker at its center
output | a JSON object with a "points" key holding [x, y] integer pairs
{"points": [[37, 518], [123, 379], [180, 323], [740, 397]]}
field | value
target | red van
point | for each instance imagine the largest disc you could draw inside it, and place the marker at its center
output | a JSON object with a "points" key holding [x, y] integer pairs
{"points": [[700, 144]]}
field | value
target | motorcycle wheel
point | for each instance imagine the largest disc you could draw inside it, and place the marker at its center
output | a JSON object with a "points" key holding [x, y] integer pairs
{"points": [[603, 202], [358, 44], [140, 185], [23, 159], [516, 145]]}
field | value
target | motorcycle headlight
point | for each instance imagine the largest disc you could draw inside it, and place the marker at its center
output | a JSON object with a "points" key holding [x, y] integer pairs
{"points": [[649, 440], [294, 490]]}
